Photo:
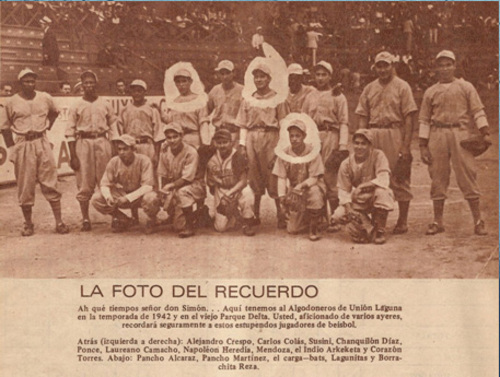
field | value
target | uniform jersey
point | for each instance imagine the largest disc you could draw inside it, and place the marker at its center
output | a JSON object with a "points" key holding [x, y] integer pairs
{"points": [[189, 120], [129, 178], [250, 116], [22, 116], [351, 174], [449, 103], [227, 171], [141, 121], [298, 173], [95, 117], [385, 104], [331, 111], [301, 102], [183, 165], [225, 104]]}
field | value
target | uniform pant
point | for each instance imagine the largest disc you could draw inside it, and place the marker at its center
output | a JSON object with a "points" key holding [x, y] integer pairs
{"points": [[315, 200], [260, 151], [329, 142], [94, 155], [246, 200], [444, 145], [184, 197], [100, 204], [389, 140], [34, 162], [380, 198]]}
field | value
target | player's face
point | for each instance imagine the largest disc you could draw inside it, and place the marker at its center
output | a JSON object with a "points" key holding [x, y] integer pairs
{"points": [[28, 84], [384, 70], [225, 76], [138, 93], [173, 139], [66, 89], [224, 146], [361, 148], [261, 80], [120, 87], [296, 137], [126, 153], [322, 77], [446, 69], [183, 85], [89, 85], [295, 82]]}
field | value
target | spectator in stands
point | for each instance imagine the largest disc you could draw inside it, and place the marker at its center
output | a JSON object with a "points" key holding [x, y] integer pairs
{"points": [[65, 88], [257, 40], [6, 90], [120, 87], [312, 43], [105, 58], [50, 47], [408, 30]]}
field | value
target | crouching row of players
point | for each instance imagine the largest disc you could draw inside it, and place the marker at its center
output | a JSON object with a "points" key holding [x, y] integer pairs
{"points": [[177, 196]]}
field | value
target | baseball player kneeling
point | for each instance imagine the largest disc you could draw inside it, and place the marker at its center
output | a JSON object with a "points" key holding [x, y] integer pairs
{"points": [[126, 179], [304, 199], [227, 178], [180, 189], [364, 193]]}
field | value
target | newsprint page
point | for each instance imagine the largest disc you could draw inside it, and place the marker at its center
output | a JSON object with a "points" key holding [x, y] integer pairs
{"points": [[249, 189]]}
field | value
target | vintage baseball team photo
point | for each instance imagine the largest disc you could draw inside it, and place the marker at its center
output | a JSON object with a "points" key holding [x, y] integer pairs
{"points": [[303, 140]]}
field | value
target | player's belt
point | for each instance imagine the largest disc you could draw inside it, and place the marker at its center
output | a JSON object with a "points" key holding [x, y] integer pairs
{"points": [[91, 135], [143, 140], [437, 124], [326, 126], [385, 125], [33, 135], [230, 127], [264, 128]]}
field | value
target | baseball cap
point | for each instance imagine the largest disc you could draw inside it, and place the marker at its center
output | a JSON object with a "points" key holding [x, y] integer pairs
{"points": [[222, 134], [384, 56], [263, 68], [446, 54], [325, 65], [140, 83], [88, 73], [25, 72], [126, 139], [259, 27], [176, 127], [366, 133], [182, 73], [297, 123], [225, 64], [295, 69]]}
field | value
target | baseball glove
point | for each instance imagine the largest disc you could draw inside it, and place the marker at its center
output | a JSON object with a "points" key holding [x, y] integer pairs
{"points": [[228, 206], [295, 201], [402, 170], [336, 157], [359, 227], [475, 145]]}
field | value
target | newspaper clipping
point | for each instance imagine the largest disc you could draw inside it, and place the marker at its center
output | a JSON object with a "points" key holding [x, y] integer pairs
{"points": [[249, 188]]}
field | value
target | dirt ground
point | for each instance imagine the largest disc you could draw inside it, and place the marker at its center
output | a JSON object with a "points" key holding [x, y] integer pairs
{"points": [[272, 253]]}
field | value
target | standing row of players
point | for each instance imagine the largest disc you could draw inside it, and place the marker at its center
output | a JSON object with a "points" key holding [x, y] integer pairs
{"points": [[164, 161]]}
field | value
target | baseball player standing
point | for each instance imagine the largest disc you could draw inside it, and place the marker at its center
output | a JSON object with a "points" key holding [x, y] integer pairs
{"points": [[259, 134], [91, 125], [128, 176], [225, 99], [386, 106], [28, 115], [447, 109], [227, 179], [299, 97], [332, 118], [142, 121]]}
